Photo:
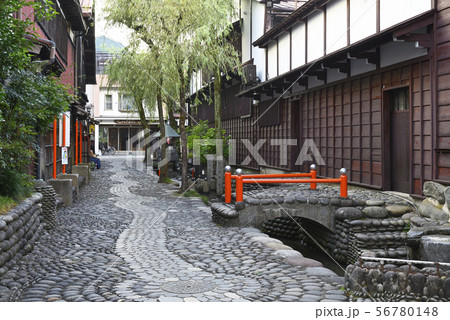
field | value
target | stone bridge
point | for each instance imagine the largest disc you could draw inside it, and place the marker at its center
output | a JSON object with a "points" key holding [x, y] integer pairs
{"points": [[367, 221]]}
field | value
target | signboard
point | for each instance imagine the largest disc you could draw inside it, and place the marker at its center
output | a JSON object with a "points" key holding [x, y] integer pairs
{"points": [[64, 156]]}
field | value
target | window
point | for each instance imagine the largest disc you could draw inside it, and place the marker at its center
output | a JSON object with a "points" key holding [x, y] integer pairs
{"points": [[399, 99], [125, 103], [108, 102]]}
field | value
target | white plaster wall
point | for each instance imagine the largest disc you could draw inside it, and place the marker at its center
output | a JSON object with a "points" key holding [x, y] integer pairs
{"points": [[395, 52], [335, 75], [358, 66], [313, 82], [272, 57], [259, 55], [298, 45], [315, 36], [362, 19], [336, 25], [246, 30], [284, 52], [395, 11]]}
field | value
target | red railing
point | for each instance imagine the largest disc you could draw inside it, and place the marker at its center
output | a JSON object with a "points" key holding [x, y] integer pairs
{"points": [[278, 178]]}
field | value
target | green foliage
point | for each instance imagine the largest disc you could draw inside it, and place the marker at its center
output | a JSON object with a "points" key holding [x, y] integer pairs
{"points": [[203, 131], [28, 101], [14, 184], [30, 104], [6, 204], [195, 194]]}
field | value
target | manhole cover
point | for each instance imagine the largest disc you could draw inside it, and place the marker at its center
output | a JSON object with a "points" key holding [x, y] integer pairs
{"points": [[188, 286]]}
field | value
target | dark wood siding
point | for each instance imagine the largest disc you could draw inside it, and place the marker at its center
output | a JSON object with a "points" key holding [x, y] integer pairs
{"points": [[345, 122], [443, 91]]}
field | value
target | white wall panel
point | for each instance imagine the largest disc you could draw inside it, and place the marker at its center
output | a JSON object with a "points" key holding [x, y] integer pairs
{"points": [[336, 25], [284, 52], [359, 66], [298, 45], [246, 27], [362, 19], [393, 12], [272, 60], [314, 82], [315, 36], [395, 52], [259, 55], [335, 75]]}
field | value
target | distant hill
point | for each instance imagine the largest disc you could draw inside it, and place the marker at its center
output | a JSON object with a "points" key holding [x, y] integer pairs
{"points": [[105, 44]]}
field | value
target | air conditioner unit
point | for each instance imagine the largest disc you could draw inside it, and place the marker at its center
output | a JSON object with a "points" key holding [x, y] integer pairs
{"points": [[249, 72]]}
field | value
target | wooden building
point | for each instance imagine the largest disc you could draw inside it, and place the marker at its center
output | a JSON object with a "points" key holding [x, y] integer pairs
{"points": [[65, 46], [368, 81]]}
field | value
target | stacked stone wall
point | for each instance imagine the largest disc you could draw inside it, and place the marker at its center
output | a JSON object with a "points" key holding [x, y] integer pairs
{"points": [[19, 230], [390, 282], [49, 206]]}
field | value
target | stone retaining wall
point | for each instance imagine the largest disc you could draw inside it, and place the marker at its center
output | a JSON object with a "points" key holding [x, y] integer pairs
{"points": [[49, 204], [19, 230], [396, 283], [367, 223]]}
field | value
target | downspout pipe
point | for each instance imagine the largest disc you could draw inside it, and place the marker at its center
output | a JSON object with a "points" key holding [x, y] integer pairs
{"points": [[51, 43]]}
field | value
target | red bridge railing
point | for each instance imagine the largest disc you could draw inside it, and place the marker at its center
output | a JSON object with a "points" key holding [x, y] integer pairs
{"points": [[278, 178]]}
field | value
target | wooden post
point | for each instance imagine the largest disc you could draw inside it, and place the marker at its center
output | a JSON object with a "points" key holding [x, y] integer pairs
{"points": [[54, 147], [76, 142], [63, 138]]}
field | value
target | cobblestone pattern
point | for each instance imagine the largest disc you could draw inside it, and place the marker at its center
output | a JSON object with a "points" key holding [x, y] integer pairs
{"points": [[75, 261], [128, 238], [184, 248]]}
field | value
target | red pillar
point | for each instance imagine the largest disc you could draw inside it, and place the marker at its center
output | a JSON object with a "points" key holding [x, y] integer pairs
{"points": [[54, 148], [227, 187], [344, 193], [76, 142], [239, 188], [313, 176], [81, 142], [64, 138]]}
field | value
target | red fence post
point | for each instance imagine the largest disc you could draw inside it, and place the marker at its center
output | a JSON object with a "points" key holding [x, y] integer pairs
{"points": [[227, 184], [63, 140], [344, 193], [76, 142], [313, 176], [239, 186], [54, 147], [81, 142]]}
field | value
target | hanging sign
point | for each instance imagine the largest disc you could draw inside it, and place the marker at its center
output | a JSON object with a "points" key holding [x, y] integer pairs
{"points": [[64, 156]]}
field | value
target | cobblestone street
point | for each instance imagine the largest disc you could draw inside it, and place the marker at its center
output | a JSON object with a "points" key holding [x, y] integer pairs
{"points": [[128, 238]]}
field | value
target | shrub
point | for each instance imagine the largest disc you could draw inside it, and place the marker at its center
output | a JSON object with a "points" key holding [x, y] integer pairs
{"points": [[203, 131]]}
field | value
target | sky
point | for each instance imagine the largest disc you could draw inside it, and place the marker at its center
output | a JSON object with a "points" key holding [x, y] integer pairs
{"points": [[120, 34]]}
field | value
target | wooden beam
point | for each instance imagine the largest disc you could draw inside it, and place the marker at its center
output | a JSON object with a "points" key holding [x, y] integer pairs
{"points": [[424, 40], [372, 57]]}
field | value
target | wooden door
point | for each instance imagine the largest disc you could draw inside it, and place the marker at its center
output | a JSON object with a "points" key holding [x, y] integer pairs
{"points": [[400, 143]]}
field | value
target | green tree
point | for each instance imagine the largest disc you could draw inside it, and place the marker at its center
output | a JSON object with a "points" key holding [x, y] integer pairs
{"points": [[29, 101], [129, 71], [188, 35]]}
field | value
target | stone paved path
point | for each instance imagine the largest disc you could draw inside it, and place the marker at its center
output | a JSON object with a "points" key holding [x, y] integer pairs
{"points": [[130, 239]]}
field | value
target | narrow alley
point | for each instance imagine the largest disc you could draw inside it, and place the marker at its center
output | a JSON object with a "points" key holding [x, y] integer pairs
{"points": [[128, 238]]}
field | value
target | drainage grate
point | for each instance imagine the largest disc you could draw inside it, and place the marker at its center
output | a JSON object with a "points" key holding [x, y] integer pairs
{"points": [[190, 286]]}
